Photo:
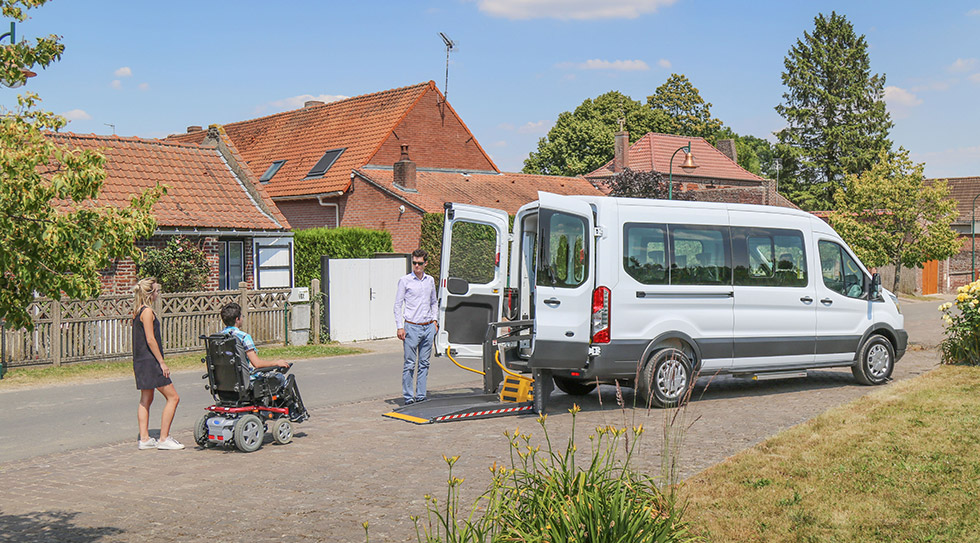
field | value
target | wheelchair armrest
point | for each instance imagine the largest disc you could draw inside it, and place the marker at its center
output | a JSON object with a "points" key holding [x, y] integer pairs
{"points": [[265, 369]]}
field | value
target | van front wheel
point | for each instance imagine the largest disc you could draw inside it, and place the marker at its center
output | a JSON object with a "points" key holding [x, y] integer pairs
{"points": [[876, 360], [666, 378]]}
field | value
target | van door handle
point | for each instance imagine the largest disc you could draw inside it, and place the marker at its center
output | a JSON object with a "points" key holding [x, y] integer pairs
{"points": [[806, 299], [826, 301], [555, 302]]}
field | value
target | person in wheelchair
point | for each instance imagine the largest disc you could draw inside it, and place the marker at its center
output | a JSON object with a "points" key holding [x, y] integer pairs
{"points": [[231, 316]]}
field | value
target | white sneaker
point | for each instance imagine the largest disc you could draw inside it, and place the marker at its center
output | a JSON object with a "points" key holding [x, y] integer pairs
{"points": [[150, 443], [169, 444]]}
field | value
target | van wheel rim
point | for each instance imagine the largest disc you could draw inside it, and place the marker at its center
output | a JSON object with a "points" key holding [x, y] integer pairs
{"points": [[878, 360], [671, 378]]}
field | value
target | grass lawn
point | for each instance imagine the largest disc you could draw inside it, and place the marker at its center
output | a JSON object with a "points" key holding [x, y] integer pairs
{"points": [[901, 464], [27, 377]]}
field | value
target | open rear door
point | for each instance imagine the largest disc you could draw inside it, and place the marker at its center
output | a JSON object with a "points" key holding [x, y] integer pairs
{"points": [[472, 276], [564, 279]]}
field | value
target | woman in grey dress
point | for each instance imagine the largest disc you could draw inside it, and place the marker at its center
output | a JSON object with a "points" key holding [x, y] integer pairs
{"points": [[149, 368]]}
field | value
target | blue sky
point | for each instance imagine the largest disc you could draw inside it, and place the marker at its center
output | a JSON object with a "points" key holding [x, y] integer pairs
{"points": [[153, 68]]}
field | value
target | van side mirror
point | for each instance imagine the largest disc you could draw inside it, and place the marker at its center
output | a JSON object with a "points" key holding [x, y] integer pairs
{"points": [[457, 286], [874, 292]]}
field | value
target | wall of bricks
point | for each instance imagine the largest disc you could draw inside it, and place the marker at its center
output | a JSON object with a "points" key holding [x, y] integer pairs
{"points": [[303, 214], [960, 265], [121, 276], [378, 210], [436, 138]]}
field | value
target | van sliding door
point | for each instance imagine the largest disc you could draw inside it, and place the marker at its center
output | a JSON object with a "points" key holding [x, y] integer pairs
{"points": [[472, 276], [564, 281]]}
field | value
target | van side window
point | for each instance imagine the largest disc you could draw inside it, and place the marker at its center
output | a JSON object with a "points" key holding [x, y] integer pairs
{"points": [[645, 252], [772, 257], [473, 252], [840, 271], [701, 255], [563, 259]]}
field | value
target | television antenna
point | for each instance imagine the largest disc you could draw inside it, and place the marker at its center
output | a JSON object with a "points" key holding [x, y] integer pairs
{"points": [[450, 45], [112, 126]]}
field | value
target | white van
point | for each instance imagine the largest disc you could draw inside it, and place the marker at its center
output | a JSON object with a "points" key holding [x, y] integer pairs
{"points": [[653, 293]]}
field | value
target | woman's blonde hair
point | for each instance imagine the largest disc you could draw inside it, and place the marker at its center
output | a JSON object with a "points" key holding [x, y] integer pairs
{"points": [[143, 291]]}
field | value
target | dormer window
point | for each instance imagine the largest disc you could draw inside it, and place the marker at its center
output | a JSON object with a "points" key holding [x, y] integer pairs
{"points": [[271, 171], [322, 165]]}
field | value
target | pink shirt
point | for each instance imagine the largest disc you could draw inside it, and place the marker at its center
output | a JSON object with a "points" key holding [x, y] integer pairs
{"points": [[415, 300]]}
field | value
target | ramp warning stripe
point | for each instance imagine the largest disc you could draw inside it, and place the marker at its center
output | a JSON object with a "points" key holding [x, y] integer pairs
{"points": [[409, 418], [486, 412]]}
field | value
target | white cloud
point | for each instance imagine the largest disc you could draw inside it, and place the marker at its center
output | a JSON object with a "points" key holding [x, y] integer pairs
{"points": [[617, 65], [538, 127], [581, 10], [952, 162], [76, 115], [664, 63], [125, 71], [973, 12], [975, 78], [116, 84], [144, 86], [900, 101], [499, 143], [506, 126], [962, 65], [295, 102]]}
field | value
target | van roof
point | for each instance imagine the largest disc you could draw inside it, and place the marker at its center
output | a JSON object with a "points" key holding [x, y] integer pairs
{"points": [[650, 202]]}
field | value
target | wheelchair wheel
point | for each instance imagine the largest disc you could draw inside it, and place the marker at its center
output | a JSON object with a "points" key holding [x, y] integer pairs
{"points": [[282, 431], [249, 432], [201, 430]]}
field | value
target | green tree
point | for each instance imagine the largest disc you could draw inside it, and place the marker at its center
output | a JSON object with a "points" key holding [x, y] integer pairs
{"points": [[54, 235], [633, 184], [834, 108], [888, 215], [582, 140], [180, 266], [686, 112]]}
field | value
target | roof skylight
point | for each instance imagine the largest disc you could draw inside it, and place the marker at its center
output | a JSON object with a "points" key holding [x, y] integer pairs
{"points": [[325, 162], [273, 168]]}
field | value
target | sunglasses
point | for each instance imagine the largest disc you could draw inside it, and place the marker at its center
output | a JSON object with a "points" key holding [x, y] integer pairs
{"points": [[417, 263]]}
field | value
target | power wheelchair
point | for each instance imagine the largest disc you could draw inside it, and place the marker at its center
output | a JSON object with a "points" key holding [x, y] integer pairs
{"points": [[245, 404]]}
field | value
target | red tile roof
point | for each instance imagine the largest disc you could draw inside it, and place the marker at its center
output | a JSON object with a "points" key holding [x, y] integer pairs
{"points": [[963, 190], [203, 191], [300, 137], [652, 152], [506, 191]]}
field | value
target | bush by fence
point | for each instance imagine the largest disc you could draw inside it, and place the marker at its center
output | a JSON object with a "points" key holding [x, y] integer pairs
{"points": [[473, 244], [311, 244]]}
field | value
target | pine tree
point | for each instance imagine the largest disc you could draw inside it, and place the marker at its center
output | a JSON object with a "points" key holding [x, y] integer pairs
{"points": [[834, 108]]}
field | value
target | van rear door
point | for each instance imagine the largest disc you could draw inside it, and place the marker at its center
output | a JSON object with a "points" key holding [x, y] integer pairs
{"points": [[564, 281], [472, 276]]}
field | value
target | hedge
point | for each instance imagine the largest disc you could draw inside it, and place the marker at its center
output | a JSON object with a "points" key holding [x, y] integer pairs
{"points": [[471, 257], [311, 244]]}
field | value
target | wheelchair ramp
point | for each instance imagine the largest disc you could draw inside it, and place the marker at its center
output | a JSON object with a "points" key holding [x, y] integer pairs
{"points": [[450, 409]]}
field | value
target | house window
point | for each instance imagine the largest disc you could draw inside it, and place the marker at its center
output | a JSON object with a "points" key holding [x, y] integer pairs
{"points": [[322, 165], [231, 264], [271, 171]]}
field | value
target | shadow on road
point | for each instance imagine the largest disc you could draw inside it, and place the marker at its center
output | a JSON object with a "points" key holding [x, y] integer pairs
{"points": [[49, 526]]}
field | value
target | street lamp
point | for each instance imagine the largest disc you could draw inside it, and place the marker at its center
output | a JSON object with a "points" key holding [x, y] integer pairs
{"points": [[27, 73], [688, 166], [973, 237]]}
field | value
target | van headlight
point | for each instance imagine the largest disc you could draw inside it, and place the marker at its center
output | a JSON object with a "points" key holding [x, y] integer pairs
{"points": [[895, 301]]}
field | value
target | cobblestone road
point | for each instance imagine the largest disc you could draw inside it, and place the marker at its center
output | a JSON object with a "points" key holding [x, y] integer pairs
{"points": [[348, 465]]}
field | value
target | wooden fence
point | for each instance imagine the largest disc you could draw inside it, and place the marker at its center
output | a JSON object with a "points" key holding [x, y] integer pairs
{"points": [[100, 329]]}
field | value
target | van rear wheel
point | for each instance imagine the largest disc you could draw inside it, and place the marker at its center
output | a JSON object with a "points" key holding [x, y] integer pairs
{"points": [[574, 387], [876, 360], [666, 378]]}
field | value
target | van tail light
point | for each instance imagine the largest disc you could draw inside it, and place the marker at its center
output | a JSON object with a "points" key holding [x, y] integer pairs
{"points": [[601, 313]]}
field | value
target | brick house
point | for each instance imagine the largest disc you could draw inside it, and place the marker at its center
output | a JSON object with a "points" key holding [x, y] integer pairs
{"points": [[947, 275], [717, 178], [212, 199], [334, 164]]}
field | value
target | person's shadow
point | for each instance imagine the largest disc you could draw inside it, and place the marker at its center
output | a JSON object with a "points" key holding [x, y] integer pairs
{"points": [[49, 526]]}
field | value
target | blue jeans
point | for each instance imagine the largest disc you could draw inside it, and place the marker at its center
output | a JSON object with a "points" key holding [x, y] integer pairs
{"points": [[418, 348]]}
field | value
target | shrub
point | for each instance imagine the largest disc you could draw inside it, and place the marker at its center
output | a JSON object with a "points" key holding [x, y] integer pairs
{"points": [[962, 343], [546, 495], [311, 244], [180, 266]]}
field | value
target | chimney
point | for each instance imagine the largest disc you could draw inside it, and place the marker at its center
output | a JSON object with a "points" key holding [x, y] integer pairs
{"points": [[194, 128], [404, 171], [311, 103], [622, 150], [728, 148]]}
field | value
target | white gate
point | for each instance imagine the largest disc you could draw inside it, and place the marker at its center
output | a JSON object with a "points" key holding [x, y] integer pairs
{"points": [[360, 297]]}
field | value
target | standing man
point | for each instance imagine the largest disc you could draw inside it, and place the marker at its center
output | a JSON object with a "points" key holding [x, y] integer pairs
{"points": [[416, 307]]}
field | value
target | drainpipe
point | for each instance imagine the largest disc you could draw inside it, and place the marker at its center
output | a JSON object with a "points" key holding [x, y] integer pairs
{"points": [[336, 207]]}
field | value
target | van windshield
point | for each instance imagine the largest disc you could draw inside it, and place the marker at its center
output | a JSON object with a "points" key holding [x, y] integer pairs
{"points": [[563, 260]]}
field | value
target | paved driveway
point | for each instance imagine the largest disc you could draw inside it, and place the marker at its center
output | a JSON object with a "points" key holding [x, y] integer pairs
{"points": [[348, 465]]}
